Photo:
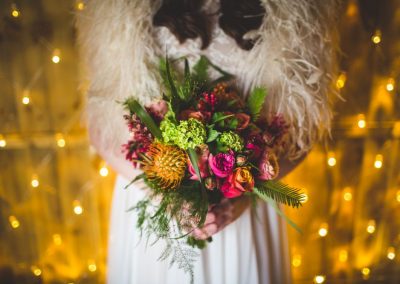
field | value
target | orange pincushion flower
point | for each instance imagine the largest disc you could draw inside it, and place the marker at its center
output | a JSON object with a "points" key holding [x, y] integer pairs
{"points": [[165, 165]]}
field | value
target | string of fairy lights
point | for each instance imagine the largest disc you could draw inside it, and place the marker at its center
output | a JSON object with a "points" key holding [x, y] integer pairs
{"points": [[360, 122], [347, 193], [60, 140]]}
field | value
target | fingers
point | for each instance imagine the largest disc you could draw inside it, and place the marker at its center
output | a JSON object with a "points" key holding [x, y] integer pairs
{"points": [[219, 216], [205, 232], [210, 218]]}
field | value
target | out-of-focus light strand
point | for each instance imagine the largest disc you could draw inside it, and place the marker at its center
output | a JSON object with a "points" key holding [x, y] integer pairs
{"points": [[378, 161], [319, 279], [341, 81], [13, 222], [3, 141], [323, 230], [77, 207], [56, 57], [35, 181], [15, 12], [371, 226], [377, 37], [331, 159]]}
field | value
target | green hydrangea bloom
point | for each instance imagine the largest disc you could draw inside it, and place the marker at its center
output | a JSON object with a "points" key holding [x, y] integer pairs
{"points": [[190, 134], [230, 140], [169, 131]]}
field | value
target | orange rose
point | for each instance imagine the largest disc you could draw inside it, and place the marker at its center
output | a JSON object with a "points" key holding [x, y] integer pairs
{"points": [[243, 179]]}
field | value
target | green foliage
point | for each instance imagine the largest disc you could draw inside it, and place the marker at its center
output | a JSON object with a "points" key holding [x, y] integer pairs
{"points": [[135, 108], [200, 74], [195, 243], [162, 219], [195, 162], [281, 193], [137, 178], [182, 254], [200, 70], [204, 204], [272, 202], [220, 117], [164, 214], [256, 101], [225, 76]]}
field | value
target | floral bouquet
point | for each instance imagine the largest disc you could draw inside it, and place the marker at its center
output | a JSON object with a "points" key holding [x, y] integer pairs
{"points": [[201, 143]]}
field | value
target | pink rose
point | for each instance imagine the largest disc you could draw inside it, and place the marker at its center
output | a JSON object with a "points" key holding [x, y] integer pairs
{"points": [[222, 164], [202, 154], [268, 166]]}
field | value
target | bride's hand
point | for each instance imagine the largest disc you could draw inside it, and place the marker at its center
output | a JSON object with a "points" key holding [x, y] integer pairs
{"points": [[221, 215]]}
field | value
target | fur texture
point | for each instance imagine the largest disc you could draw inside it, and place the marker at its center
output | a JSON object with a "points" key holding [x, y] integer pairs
{"points": [[294, 59]]}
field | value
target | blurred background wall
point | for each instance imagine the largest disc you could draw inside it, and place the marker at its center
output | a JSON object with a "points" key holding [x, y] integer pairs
{"points": [[55, 191]]}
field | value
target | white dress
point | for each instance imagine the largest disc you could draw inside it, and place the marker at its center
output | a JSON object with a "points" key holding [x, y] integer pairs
{"points": [[251, 250]]}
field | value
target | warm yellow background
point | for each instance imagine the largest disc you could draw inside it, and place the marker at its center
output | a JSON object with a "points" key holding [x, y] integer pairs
{"points": [[354, 202]]}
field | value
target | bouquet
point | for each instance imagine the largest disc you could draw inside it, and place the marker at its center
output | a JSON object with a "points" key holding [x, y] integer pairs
{"points": [[201, 143]]}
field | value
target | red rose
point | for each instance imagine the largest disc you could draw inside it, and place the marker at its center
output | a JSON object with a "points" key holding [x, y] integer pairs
{"points": [[240, 181]]}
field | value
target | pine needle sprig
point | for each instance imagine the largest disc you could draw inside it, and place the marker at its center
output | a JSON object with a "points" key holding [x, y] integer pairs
{"points": [[281, 193]]}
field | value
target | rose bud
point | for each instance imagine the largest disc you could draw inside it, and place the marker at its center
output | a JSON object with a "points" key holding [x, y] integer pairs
{"points": [[241, 160], [210, 183]]}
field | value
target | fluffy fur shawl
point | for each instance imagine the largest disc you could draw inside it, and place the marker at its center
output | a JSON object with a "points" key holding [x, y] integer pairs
{"points": [[294, 60]]}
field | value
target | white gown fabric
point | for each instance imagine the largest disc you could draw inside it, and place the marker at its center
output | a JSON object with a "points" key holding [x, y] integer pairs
{"points": [[251, 250]]}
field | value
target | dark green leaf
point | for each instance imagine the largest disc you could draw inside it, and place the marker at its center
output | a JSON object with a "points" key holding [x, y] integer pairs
{"points": [[233, 123], [187, 70], [231, 103], [194, 160], [219, 116], [171, 82], [256, 101], [135, 108]]}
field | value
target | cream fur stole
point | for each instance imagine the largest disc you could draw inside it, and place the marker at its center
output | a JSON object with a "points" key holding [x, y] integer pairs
{"points": [[294, 60]]}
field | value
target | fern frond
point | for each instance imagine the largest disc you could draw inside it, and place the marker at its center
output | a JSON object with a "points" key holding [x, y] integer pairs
{"points": [[256, 101], [281, 193], [200, 70]]}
